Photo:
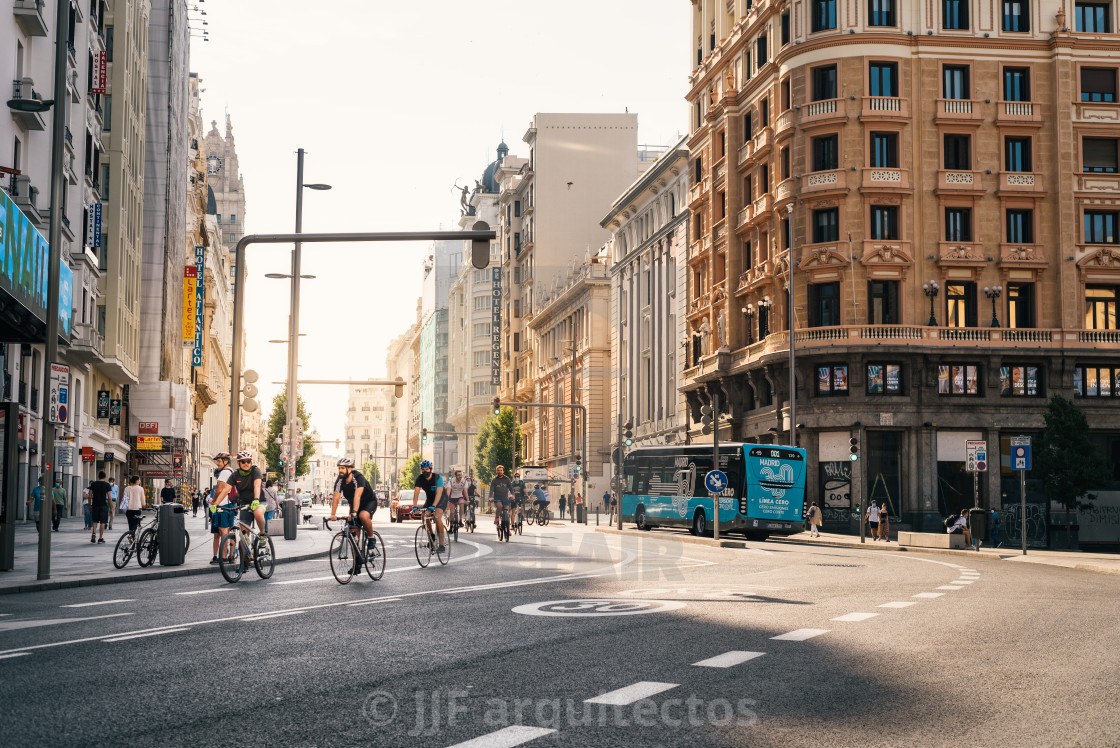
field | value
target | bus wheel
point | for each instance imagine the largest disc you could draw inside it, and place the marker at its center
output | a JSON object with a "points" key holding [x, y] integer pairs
{"points": [[640, 518], [699, 523]]}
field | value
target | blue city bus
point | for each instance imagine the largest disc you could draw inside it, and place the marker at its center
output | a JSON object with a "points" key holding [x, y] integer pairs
{"points": [[765, 493]]}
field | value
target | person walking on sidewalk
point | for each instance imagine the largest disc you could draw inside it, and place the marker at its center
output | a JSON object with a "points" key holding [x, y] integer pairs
{"points": [[167, 494], [99, 492], [996, 542], [114, 500], [58, 499], [884, 524], [563, 502], [36, 497], [813, 519], [872, 519], [133, 504], [85, 509], [271, 501]]}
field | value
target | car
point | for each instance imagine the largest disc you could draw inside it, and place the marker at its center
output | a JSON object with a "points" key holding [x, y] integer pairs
{"points": [[304, 500], [401, 508]]}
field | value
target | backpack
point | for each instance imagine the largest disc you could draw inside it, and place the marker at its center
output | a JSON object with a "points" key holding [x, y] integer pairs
{"points": [[950, 520]]}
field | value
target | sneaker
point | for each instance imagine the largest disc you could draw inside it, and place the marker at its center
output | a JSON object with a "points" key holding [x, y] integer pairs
{"points": [[214, 561], [93, 538], [979, 543], [101, 540], [441, 549]]}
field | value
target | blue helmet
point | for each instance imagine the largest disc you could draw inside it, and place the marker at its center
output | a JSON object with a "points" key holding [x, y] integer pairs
{"points": [[425, 464]]}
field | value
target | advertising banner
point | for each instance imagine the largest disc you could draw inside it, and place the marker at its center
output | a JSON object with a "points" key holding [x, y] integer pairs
{"points": [[190, 283], [153, 443], [114, 412], [103, 403], [24, 254]]}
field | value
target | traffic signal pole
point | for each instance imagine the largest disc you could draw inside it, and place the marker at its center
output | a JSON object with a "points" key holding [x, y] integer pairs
{"points": [[583, 415]]}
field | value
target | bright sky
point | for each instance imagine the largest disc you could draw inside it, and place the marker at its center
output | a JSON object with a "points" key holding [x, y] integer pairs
{"points": [[394, 103]]}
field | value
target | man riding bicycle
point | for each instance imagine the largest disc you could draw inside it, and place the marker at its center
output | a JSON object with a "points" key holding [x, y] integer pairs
{"points": [[432, 486], [518, 489], [540, 498], [247, 480], [501, 488], [353, 485], [457, 496]]}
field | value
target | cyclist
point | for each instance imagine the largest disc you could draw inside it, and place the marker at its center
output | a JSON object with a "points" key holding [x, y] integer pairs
{"points": [[540, 498], [220, 522], [457, 496], [501, 488], [359, 495], [519, 491], [431, 483], [247, 480]]}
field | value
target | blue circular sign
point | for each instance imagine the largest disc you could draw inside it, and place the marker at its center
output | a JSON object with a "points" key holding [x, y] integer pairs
{"points": [[716, 481]]}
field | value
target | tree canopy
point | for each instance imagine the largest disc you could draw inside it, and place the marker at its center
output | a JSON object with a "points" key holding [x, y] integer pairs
{"points": [[1067, 459], [372, 472], [494, 444], [276, 423], [410, 470]]}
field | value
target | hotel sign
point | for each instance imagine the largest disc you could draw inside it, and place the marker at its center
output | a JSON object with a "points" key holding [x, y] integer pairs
{"points": [[199, 263], [496, 327], [100, 70]]}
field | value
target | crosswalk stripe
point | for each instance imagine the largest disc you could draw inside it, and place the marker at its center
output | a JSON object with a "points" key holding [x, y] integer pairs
{"points": [[800, 635], [855, 617], [630, 694], [507, 737], [950, 587], [929, 594], [897, 605], [728, 659]]}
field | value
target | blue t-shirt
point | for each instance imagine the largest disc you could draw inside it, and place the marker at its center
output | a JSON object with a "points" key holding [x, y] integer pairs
{"points": [[540, 495], [430, 484], [37, 494]]}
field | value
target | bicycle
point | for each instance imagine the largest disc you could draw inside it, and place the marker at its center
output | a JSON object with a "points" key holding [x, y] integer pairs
{"points": [[530, 519], [427, 540], [148, 543], [234, 555], [128, 545], [349, 554], [516, 526], [542, 515], [451, 522], [503, 524], [469, 520]]}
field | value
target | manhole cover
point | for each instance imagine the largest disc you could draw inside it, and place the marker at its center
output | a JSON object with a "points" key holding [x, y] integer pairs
{"points": [[597, 608]]}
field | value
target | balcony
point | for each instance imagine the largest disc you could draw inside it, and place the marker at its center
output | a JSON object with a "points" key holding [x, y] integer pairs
{"points": [[694, 195], [955, 110], [26, 196], [959, 181], [745, 216], [29, 16], [1019, 182], [25, 89], [746, 150], [719, 174], [877, 179], [824, 181], [72, 87], [884, 107], [824, 111], [86, 345], [762, 207], [1095, 112], [1018, 113], [785, 120], [761, 141]]}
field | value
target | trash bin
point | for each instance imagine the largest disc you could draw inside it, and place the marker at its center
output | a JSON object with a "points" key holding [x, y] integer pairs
{"points": [[579, 512], [291, 519], [978, 523], [172, 534]]}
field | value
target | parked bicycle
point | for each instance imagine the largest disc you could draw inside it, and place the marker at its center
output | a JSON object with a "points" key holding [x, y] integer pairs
{"points": [[352, 548], [243, 545], [129, 544], [427, 540]]}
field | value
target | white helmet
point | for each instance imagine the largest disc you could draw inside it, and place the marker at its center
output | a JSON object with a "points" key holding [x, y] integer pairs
{"points": [[244, 455], [346, 462]]}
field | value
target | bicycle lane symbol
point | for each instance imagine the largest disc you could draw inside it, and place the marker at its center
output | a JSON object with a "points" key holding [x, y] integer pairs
{"points": [[593, 608]]}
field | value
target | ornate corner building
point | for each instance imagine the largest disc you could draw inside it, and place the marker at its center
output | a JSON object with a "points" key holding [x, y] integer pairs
{"points": [[944, 180]]}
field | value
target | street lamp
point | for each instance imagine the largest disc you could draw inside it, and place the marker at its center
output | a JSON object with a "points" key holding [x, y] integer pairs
{"points": [[931, 290], [748, 312], [993, 292]]}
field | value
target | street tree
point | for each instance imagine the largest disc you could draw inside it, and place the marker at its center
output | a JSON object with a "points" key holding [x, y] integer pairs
{"points": [[1067, 459], [372, 472], [494, 444], [410, 471], [277, 421]]}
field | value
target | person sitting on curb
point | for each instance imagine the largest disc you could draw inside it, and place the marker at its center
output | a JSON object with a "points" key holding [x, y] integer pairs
{"points": [[960, 526]]}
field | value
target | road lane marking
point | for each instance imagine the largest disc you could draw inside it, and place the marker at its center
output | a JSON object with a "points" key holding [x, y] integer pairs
{"points": [[507, 737], [103, 602], [964, 581], [928, 595], [35, 623], [480, 550], [855, 617], [728, 659], [273, 615], [950, 587], [205, 592], [897, 605], [141, 636], [14, 654], [378, 600], [630, 694], [800, 635]]}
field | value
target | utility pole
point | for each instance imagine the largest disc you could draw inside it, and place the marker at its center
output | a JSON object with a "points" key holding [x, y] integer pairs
{"points": [[715, 456]]}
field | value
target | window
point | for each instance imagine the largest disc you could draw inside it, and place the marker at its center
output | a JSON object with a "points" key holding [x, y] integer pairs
{"points": [[481, 303], [787, 233], [961, 301], [748, 126], [880, 13], [1098, 155], [1020, 226], [883, 79], [1100, 227], [882, 303], [1020, 381], [954, 80], [958, 224], [764, 112], [1100, 307], [699, 171], [764, 179], [954, 15], [958, 152], [761, 55], [1098, 84], [785, 28], [480, 358], [1016, 84], [481, 329], [785, 95], [822, 15], [1093, 17], [1016, 15], [785, 163], [824, 153], [483, 388], [958, 379], [1017, 153], [824, 304], [1020, 305], [832, 380], [826, 225], [884, 150], [1096, 381], [884, 379], [516, 208], [824, 83], [884, 222]]}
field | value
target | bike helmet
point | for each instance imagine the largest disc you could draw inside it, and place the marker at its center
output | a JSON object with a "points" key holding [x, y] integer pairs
{"points": [[244, 455], [345, 462], [425, 464], [223, 456]]}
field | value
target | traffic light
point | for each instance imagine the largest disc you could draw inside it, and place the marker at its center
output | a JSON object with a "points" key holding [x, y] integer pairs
{"points": [[628, 434], [480, 248], [853, 449], [424, 434], [497, 405], [578, 466], [706, 419]]}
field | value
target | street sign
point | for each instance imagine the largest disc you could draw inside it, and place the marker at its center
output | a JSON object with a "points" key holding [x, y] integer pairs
{"points": [[64, 453], [976, 452], [1020, 453], [58, 399], [110, 456], [715, 481]]}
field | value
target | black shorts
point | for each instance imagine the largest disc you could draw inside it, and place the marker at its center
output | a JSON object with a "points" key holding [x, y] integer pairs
{"points": [[246, 514], [441, 504], [367, 506], [100, 513]]}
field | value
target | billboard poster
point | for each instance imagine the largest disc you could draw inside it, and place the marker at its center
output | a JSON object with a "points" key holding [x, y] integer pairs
{"points": [[190, 283], [114, 412], [103, 403]]}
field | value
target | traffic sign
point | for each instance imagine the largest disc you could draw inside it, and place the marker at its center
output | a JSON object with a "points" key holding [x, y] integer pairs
{"points": [[716, 481], [1020, 453], [976, 456]]}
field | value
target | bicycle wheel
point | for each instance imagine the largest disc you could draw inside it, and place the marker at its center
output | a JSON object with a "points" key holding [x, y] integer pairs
{"points": [[146, 548], [343, 555], [122, 554], [530, 519], [375, 556], [445, 555], [230, 558], [542, 518], [453, 533], [423, 546], [265, 558]]}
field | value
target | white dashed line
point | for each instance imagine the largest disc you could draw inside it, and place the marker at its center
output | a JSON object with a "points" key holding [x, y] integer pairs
{"points": [[14, 654], [800, 635], [927, 595], [728, 659], [897, 605], [274, 615], [141, 636], [205, 592], [103, 602], [378, 600], [964, 581], [630, 694], [507, 737], [855, 617], [950, 587]]}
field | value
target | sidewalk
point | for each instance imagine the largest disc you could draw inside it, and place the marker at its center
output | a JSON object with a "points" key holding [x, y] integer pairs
{"points": [[76, 562]]}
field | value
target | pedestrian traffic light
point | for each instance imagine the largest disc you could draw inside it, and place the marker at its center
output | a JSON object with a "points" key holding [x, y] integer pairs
{"points": [[424, 434], [705, 419], [628, 434], [853, 449], [497, 405]]}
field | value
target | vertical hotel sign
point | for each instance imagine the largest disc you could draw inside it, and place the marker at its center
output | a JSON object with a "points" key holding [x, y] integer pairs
{"points": [[190, 287], [100, 72], [199, 262], [496, 327]]}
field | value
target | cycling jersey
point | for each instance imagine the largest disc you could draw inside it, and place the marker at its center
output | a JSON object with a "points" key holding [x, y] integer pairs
{"points": [[500, 488], [367, 502], [243, 482], [430, 484], [457, 489]]}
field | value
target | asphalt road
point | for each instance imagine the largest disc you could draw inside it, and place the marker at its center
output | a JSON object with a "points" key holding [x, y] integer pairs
{"points": [[570, 637]]}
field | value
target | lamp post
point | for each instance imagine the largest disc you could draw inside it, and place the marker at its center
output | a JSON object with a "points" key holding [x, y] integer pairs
{"points": [[748, 312], [931, 289], [993, 293]]}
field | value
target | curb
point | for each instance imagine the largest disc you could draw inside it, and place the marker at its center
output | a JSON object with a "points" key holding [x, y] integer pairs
{"points": [[145, 577], [710, 542], [834, 544]]}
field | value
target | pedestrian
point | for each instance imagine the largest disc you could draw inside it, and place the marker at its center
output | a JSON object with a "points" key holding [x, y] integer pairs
{"points": [[957, 524], [996, 542], [872, 519], [614, 506], [114, 500], [563, 502], [606, 500], [99, 492], [36, 497], [58, 496], [271, 501], [85, 509], [196, 498], [220, 522], [884, 524], [133, 504], [813, 519], [167, 494]]}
